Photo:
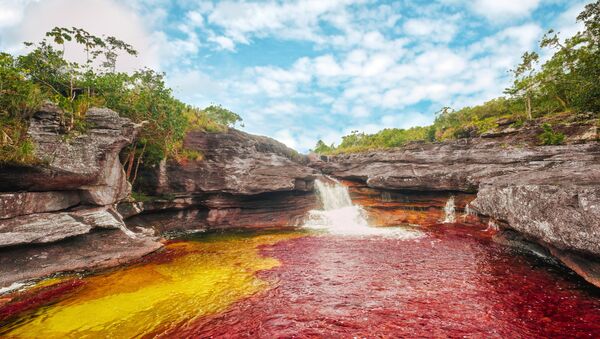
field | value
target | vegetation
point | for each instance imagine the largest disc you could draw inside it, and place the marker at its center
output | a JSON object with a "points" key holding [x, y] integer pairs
{"points": [[565, 85], [550, 137], [45, 74]]}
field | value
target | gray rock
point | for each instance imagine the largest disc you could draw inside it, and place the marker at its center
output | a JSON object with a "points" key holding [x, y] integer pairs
{"points": [[560, 207], [87, 161], [233, 162], [452, 166], [23, 203], [48, 227], [242, 180], [97, 250], [549, 194]]}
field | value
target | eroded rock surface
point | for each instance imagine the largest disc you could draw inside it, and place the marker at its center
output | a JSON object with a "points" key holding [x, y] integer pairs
{"points": [[96, 250], [79, 170], [61, 201], [48, 227], [241, 180], [232, 162], [559, 206], [550, 194]]}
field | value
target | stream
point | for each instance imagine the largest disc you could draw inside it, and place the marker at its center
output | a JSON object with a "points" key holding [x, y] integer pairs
{"points": [[336, 276]]}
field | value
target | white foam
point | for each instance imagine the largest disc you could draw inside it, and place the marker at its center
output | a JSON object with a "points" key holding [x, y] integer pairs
{"points": [[340, 216]]}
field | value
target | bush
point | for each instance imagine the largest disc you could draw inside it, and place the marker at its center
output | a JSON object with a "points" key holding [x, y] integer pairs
{"points": [[44, 74], [550, 137]]}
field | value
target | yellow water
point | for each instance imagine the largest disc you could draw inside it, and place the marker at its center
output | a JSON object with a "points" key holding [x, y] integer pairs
{"points": [[203, 278]]}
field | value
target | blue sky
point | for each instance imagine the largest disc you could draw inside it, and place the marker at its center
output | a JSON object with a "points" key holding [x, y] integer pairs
{"points": [[300, 71]]}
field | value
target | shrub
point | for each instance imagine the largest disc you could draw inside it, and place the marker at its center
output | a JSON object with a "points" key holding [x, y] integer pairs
{"points": [[550, 137], [45, 74]]}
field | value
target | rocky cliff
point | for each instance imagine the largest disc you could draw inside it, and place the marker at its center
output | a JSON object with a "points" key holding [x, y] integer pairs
{"points": [[240, 180], [549, 194], [72, 204], [67, 201]]}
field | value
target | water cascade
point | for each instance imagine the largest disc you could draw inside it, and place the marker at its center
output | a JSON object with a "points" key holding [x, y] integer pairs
{"points": [[386, 196], [340, 216], [449, 210], [468, 212]]}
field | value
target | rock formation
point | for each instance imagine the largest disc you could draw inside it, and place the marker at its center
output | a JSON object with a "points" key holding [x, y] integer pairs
{"points": [[72, 204], [549, 194], [71, 194], [241, 180]]}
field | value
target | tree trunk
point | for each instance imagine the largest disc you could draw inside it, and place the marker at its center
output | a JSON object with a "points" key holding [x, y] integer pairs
{"points": [[563, 103], [137, 166], [130, 160], [528, 105]]}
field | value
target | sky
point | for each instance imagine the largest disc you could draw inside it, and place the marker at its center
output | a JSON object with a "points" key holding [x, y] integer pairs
{"points": [[300, 71]]}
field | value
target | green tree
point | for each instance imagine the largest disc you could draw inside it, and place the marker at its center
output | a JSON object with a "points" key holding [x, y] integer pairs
{"points": [[322, 148], [525, 82]]}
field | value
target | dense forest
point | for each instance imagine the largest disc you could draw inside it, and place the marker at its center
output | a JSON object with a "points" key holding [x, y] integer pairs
{"points": [[44, 74], [552, 92]]}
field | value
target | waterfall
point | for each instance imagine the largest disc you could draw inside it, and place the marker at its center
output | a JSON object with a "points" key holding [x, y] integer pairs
{"points": [[340, 216], [492, 226], [386, 196], [449, 216], [468, 212]]}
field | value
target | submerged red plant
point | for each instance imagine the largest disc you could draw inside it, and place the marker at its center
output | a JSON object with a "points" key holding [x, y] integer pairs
{"points": [[30, 300], [454, 282]]}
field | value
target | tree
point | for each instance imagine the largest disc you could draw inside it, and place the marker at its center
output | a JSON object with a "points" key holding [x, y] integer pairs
{"points": [[525, 82], [222, 115], [322, 147]]}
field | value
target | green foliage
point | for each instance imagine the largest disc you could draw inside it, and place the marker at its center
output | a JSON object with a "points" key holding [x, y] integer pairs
{"points": [[45, 74], [141, 197], [518, 124], [389, 137], [430, 136], [569, 79], [550, 137], [222, 115], [321, 147]]}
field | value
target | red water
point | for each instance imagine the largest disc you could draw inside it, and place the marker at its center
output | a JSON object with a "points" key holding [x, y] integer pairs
{"points": [[454, 282]]}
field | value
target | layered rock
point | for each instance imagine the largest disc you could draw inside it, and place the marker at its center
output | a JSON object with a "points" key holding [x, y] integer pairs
{"points": [[393, 208], [95, 250], [451, 166], [559, 206], [231, 162], [240, 180], [549, 194], [67, 196]]}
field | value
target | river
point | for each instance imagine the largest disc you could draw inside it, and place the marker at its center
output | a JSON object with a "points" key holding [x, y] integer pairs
{"points": [[334, 277]]}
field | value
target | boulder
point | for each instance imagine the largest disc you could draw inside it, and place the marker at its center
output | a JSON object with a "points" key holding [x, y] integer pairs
{"points": [[241, 180], [232, 162], [48, 227]]}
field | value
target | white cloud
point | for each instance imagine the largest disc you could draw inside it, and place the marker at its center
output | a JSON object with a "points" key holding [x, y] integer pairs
{"points": [[432, 30], [109, 18], [223, 42], [11, 11], [501, 10], [241, 21]]}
